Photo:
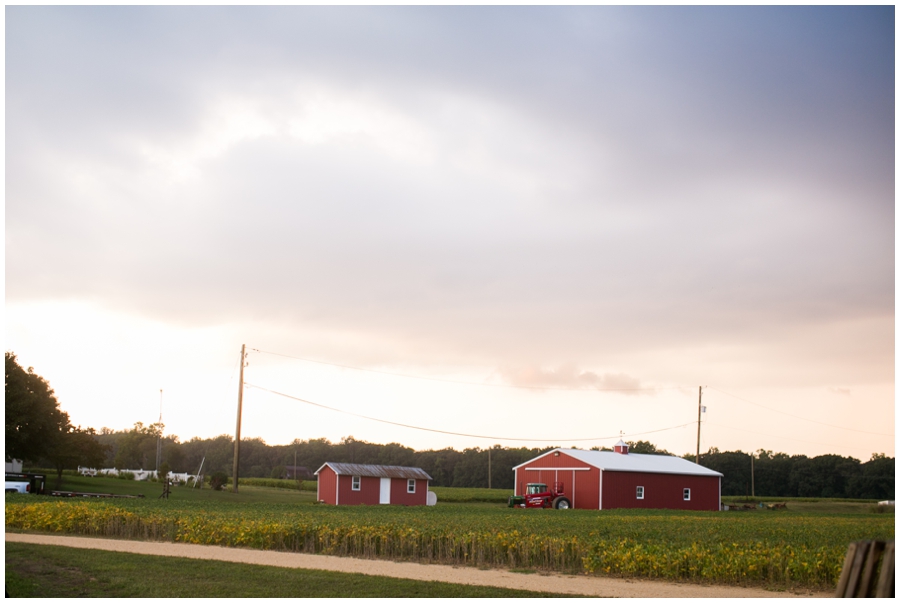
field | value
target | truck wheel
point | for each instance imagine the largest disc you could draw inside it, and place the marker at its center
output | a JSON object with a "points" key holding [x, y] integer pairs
{"points": [[562, 503]]}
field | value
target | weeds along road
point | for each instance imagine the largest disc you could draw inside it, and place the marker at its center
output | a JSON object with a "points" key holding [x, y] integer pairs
{"points": [[556, 583]]}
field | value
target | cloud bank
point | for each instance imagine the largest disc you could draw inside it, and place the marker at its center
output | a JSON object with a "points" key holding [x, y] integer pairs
{"points": [[494, 186]]}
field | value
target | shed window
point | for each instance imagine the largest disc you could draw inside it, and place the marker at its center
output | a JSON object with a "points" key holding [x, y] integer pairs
{"points": [[687, 494], [640, 492], [355, 485], [411, 486]]}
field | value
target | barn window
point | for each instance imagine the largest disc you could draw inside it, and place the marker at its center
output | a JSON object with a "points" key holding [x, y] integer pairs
{"points": [[411, 486], [640, 492], [687, 494], [356, 480]]}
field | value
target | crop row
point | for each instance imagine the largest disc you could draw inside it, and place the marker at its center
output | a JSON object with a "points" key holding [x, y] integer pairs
{"points": [[704, 547], [471, 494]]}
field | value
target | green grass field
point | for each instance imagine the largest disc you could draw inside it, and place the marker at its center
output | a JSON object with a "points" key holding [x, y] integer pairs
{"points": [[260, 490], [52, 571], [254, 490], [248, 491], [803, 544]]}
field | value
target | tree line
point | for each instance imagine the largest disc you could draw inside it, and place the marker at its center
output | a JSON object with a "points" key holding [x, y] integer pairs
{"points": [[37, 429], [39, 432], [771, 474], [826, 476]]}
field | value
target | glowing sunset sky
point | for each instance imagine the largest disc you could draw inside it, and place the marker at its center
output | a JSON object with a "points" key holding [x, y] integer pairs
{"points": [[553, 222]]}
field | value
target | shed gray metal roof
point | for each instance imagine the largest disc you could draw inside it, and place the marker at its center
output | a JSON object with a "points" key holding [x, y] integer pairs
{"points": [[376, 470]]}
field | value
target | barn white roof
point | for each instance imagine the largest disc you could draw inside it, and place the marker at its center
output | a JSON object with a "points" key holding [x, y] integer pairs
{"points": [[376, 470], [639, 463]]}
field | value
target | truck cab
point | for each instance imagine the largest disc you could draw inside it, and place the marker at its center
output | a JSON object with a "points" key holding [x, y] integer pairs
{"points": [[25, 483]]}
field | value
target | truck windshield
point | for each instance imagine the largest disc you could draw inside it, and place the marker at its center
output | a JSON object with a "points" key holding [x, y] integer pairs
{"points": [[537, 488]]}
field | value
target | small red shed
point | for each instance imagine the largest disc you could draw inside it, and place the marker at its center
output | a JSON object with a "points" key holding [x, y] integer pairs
{"points": [[602, 479], [353, 484]]}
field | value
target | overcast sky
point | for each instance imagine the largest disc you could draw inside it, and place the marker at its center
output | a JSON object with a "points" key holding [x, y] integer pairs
{"points": [[611, 206]]}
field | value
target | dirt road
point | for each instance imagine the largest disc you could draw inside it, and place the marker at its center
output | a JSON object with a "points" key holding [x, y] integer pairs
{"points": [[554, 583]]}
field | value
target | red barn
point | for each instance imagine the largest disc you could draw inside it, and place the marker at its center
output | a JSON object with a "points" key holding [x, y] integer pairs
{"points": [[352, 484], [597, 479]]}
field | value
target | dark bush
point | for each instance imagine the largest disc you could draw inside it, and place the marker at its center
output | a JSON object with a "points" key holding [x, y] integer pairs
{"points": [[218, 480]]}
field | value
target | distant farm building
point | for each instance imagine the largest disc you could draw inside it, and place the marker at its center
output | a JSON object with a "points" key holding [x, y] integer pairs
{"points": [[353, 484], [595, 479]]}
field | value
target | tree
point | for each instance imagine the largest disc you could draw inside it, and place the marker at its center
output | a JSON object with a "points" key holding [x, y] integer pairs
{"points": [[735, 466], [642, 447], [137, 448], [218, 480], [772, 473], [174, 455], [164, 469], [73, 447], [877, 479], [396, 454], [38, 430], [34, 420]]}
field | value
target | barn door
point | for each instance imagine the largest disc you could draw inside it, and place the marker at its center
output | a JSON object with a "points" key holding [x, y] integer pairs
{"points": [[385, 498]]}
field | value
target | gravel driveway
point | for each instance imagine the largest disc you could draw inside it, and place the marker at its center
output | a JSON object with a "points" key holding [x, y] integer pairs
{"points": [[593, 586]]}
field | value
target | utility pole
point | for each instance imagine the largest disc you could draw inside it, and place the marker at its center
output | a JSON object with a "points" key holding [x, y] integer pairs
{"points": [[159, 436], [237, 431], [489, 468], [699, 410], [752, 480]]}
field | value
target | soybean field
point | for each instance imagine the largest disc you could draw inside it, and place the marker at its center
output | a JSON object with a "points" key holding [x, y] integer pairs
{"points": [[775, 548]]}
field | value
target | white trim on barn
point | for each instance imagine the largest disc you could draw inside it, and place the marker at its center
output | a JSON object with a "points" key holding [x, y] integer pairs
{"points": [[573, 488], [600, 495], [556, 468]]}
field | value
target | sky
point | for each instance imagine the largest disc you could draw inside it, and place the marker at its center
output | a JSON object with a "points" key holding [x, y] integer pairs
{"points": [[515, 226]]}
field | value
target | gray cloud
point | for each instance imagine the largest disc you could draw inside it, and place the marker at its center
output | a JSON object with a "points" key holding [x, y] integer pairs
{"points": [[570, 376], [521, 184]]}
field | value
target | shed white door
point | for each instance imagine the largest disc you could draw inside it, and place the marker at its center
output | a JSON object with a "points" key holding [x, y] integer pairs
{"points": [[385, 498]]}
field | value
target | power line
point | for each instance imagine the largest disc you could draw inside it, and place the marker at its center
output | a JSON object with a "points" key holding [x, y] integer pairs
{"points": [[538, 387], [801, 418], [469, 435]]}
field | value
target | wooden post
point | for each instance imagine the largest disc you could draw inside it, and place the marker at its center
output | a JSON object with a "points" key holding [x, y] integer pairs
{"points": [[237, 432]]}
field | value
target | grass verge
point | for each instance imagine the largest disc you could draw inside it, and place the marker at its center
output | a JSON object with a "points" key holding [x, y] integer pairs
{"points": [[34, 570], [247, 492]]}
